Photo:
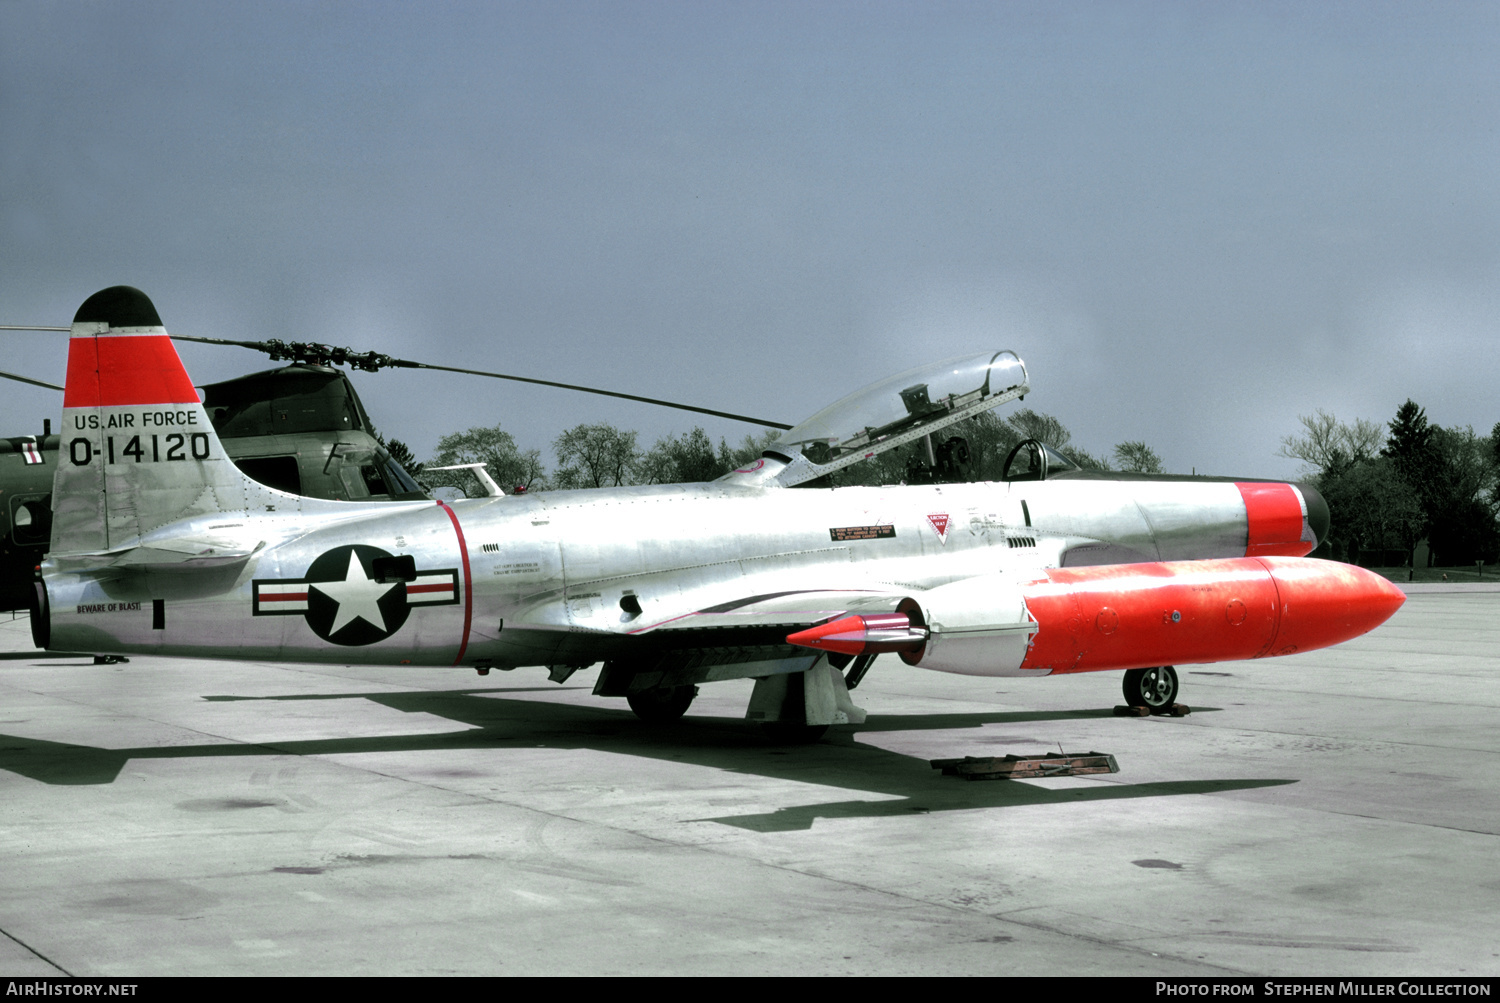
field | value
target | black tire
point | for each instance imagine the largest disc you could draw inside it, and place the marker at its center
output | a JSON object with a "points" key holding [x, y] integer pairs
{"points": [[786, 733], [662, 704], [1152, 688]]}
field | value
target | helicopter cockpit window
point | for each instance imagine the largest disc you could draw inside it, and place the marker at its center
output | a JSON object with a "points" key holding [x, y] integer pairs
{"points": [[374, 480], [400, 483], [31, 519], [360, 476], [354, 485], [279, 472], [289, 401], [902, 403]]}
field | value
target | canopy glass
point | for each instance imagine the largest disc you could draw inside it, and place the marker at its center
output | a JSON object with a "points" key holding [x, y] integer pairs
{"points": [[903, 403]]}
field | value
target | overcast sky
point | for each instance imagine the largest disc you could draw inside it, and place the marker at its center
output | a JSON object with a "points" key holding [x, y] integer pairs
{"points": [[1194, 221]]}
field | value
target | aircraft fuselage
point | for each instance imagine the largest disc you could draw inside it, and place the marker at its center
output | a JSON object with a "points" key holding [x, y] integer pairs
{"points": [[574, 577]]}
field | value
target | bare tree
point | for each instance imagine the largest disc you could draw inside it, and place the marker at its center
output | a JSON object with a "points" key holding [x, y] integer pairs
{"points": [[1139, 457], [595, 456], [1029, 424], [1044, 428], [1328, 443]]}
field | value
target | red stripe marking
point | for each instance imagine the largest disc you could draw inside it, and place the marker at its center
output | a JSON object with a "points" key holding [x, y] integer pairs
{"points": [[446, 587], [266, 597], [1274, 514], [126, 369], [463, 551]]}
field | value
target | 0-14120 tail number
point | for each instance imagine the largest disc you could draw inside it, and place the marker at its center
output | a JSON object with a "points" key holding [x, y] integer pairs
{"points": [[172, 446]]}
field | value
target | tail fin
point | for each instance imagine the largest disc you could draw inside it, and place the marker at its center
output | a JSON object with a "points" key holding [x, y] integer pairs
{"points": [[137, 450]]}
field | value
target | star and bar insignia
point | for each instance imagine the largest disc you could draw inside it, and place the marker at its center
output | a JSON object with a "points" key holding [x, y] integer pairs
{"points": [[355, 594]]}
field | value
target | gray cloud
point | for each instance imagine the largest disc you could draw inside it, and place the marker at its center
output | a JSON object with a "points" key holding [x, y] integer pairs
{"points": [[1194, 221]]}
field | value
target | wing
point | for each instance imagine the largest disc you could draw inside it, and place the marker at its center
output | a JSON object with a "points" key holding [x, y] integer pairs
{"points": [[783, 610], [726, 631]]}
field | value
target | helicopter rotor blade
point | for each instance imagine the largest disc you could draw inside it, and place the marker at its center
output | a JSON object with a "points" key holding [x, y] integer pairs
{"points": [[374, 361], [28, 379], [259, 346], [404, 364]]}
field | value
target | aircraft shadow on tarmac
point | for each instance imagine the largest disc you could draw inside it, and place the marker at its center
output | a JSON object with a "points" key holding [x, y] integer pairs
{"points": [[496, 722]]}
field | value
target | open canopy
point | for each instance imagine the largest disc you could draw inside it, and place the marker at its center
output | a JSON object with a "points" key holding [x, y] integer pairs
{"points": [[902, 408]]}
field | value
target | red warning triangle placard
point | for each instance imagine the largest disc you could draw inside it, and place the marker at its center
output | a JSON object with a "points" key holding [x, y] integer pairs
{"points": [[939, 523]]}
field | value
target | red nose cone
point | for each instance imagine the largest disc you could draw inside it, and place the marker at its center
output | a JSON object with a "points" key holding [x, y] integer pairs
{"points": [[1325, 602]]}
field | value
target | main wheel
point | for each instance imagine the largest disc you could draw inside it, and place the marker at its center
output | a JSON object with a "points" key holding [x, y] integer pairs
{"points": [[662, 704], [1154, 688]]}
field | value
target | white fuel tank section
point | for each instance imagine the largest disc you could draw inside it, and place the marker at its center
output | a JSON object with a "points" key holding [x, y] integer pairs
{"points": [[976, 627]]}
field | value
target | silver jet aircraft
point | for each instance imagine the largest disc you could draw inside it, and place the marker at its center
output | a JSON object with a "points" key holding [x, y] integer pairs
{"points": [[161, 546]]}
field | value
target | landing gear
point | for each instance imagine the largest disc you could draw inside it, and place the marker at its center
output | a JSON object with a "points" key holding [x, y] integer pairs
{"points": [[661, 704], [796, 708], [1155, 689]]}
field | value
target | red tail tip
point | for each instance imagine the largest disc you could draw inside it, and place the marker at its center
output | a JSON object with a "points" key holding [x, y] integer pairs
{"points": [[131, 363]]}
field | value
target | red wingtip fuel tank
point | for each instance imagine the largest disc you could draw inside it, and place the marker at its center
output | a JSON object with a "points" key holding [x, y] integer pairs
{"points": [[1127, 616], [1131, 616]]}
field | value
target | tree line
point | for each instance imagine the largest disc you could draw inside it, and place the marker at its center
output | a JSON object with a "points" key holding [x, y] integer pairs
{"points": [[597, 455], [1389, 489]]}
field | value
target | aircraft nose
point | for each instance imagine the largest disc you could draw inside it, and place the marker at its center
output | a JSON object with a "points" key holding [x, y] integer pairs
{"points": [[1317, 512]]}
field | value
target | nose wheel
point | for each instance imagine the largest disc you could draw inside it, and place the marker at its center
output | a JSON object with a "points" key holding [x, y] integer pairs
{"points": [[1155, 689]]}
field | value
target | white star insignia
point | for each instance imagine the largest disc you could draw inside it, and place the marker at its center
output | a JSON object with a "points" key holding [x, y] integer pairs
{"points": [[358, 597]]}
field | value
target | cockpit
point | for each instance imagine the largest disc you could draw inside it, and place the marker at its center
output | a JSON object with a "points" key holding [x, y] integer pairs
{"points": [[898, 410], [1033, 460]]}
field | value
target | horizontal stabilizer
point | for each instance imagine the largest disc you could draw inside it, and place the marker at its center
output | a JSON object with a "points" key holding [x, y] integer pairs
{"points": [[181, 554]]}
